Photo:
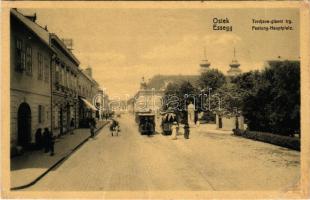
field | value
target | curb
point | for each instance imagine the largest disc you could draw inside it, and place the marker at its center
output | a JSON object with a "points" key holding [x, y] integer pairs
{"points": [[58, 162]]}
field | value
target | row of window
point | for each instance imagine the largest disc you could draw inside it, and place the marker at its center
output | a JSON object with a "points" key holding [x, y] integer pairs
{"points": [[24, 58], [85, 90], [24, 61], [65, 77]]}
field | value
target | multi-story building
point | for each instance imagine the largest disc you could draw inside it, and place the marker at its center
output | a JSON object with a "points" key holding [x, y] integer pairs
{"points": [[65, 71], [47, 88], [87, 90], [30, 84]]}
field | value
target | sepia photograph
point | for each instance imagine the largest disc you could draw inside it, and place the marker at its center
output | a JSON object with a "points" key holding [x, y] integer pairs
{"points": [[142, 97]]}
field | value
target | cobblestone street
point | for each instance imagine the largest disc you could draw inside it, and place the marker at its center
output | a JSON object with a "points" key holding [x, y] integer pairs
{"points": [[207, 161]]}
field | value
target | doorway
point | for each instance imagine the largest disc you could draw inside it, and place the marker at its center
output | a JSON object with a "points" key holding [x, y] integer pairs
{"points": [[24, 125]]}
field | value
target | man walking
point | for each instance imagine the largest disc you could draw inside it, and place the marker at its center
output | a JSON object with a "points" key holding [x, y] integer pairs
{"points": [[92, 125], [186, 131], [46, 140], [72, 126], [38, 138], [51, 142]]}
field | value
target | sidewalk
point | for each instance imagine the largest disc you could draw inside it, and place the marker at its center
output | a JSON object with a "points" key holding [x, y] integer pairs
{"points": [[31, 165]]}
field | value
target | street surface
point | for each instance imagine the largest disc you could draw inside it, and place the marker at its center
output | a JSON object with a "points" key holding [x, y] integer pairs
{"points": [[207, 161]]}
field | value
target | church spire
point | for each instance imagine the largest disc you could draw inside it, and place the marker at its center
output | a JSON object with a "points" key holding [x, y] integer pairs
{"points": [[205, 64], [234, 66]]}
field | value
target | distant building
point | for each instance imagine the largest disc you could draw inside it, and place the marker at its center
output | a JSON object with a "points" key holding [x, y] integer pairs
{"points": [[30, 84], [278, 61], [88, 88], [147, 99]]}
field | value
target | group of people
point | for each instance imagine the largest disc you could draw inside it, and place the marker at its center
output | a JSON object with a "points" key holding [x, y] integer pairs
{"points": [[45, 140], [175, 130]]}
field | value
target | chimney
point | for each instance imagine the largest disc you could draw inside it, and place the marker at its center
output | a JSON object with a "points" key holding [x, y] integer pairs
{"points": [[88, 72], [32, 17]]}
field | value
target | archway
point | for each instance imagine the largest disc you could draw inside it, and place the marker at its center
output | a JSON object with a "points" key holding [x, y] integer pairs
{"points": [[24, 124]]}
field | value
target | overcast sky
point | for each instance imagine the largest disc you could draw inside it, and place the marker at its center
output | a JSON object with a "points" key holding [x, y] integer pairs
{"points": [[122, 45]]}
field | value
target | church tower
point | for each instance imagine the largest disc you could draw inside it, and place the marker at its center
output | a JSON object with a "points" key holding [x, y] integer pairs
{"points": [[143, 85], [234, 66], [205, 64]]}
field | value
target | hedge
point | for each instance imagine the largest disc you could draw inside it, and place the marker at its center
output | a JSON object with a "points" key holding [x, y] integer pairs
{"points": [[283, 141]]}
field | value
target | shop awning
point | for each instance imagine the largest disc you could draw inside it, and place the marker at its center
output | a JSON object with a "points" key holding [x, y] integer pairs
{"points": [[88, 104]]}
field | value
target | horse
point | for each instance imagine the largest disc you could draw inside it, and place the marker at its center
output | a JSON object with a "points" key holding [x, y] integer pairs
{"points": [[114, 128]]}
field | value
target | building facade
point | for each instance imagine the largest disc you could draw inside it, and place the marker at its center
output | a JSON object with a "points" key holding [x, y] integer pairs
{"points": [[64, 87], [88, 89], [30, 84], [148, 99]]}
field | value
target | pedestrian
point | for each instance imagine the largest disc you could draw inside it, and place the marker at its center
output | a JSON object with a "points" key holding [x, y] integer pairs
{"points": [[46, 140], [72, 126], [38, 138], [112, 127], [186, 131], [51, 142], [174, 130], [177, 128], [195, 117], [92, 125]]}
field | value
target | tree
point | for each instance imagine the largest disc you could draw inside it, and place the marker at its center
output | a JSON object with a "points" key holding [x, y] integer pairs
{"points": [[178, 96], [171, 91], [231, 100], [213, 78], [273, 105], [247, 82]]}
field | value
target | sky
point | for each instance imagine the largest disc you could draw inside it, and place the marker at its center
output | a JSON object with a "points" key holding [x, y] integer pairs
{"points": [[124, 45]]}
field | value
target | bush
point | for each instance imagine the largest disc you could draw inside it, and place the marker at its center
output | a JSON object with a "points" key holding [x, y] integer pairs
{"points": [[283, 141]]}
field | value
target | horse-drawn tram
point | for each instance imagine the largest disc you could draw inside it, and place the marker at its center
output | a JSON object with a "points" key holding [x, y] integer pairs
{"points": [[146, 122]]}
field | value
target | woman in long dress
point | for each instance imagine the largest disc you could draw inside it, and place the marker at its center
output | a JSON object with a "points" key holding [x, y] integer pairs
{"points": [[174, 130]]}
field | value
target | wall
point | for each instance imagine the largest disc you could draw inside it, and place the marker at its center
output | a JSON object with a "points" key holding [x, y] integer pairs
{"points": [[230, 123]]}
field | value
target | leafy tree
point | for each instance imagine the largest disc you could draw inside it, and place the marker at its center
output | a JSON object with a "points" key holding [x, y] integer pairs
{"points": [[213, 78], [230, 100], [172, 91], [274, 103], [247, 82]]}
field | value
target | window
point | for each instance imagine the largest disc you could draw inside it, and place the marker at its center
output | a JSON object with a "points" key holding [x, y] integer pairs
{"points": [[40, 66], [20, 56], [63, 76], [56, 117], [46, 70], [57, 73], [41, 113], [29, 60], [66, 77]]}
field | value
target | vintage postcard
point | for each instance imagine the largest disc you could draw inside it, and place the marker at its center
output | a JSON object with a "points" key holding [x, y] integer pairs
{"points": [[155, 99]]}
